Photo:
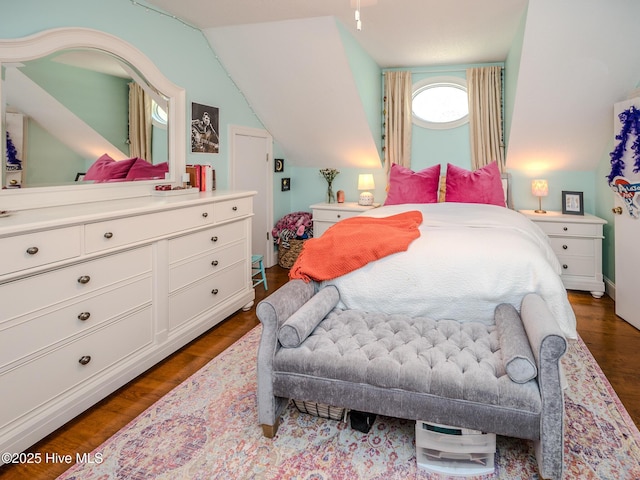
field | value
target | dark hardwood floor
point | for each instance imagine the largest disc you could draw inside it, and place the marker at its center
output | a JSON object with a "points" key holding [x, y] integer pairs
{"points": [[614, 343]]}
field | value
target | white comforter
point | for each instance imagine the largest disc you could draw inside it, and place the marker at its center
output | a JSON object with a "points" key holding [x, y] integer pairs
{"points": [[468, 259]]}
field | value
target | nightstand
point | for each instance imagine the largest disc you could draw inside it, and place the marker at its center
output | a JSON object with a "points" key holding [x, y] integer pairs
{"points": [[577, 242], [326, 214]]}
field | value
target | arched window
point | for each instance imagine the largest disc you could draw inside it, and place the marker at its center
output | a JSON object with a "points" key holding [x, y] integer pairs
{"points": [[440, 102]]}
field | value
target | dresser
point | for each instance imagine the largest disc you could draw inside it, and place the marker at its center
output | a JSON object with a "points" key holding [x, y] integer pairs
{"points": [[92, 295], [326, 214], [577, 242]]}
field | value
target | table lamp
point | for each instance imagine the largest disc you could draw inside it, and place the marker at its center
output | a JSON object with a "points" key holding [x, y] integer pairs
{"points": [[365, 182], [540, 188]]}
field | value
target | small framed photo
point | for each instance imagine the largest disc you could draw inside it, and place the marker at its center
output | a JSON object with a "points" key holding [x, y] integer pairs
{"points": [[572, 203], [278, 165], [285, 184]]}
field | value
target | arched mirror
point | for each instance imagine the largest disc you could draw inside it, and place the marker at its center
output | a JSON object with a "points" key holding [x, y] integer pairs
{"points": [[86, 115]]}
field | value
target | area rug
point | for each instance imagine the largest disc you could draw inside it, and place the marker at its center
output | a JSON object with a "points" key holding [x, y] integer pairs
{"points": [[207, 428]]}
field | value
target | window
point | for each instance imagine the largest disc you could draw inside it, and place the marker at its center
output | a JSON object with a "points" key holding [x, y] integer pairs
{"points": [[440, 102], [158, 115]]}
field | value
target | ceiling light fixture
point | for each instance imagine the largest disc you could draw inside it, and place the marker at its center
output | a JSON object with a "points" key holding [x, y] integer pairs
{"points": [[357, 16]]}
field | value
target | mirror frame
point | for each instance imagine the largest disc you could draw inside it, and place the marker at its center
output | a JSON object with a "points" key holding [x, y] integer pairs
{"points": [[50, 41]]}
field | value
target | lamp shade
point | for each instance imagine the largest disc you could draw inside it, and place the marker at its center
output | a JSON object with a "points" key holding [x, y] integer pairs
{"points": [[365, 181], [540, 188]]}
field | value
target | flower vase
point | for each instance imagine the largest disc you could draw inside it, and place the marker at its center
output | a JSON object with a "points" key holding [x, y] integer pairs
{"points": [[331, 198]]}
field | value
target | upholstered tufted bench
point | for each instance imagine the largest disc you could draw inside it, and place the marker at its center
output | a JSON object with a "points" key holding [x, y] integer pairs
{"points": [[502, 378]]}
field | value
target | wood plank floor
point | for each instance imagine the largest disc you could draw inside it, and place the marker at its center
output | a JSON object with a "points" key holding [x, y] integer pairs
{"points": [[614, 343]]}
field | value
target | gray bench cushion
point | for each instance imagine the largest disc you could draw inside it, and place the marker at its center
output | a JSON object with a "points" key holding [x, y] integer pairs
{"points": [[444, 358]]}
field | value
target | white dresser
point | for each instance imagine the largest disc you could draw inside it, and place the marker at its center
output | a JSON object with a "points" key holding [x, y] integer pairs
{"points": [[577, 242], [326, 214], [91, 295]]}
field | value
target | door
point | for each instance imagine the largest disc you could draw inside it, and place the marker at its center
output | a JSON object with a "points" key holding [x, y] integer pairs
{"points": [[627, 229], [252, 169]]}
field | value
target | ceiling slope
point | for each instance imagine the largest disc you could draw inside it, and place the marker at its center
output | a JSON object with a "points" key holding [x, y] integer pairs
{"points": [[578, 59], [297, 79]]}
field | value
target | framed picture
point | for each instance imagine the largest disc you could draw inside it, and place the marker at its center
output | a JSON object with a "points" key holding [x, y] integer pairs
{"points": [[278, 165], [80, 176], [572, 203], [285, 184], [204, 128]]}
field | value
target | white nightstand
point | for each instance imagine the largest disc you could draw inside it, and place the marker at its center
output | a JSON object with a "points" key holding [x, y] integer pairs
{"points": [[577, 241], [326, 214]]}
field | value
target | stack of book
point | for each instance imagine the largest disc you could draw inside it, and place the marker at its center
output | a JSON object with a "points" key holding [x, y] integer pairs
{"points": [[202, 177]]}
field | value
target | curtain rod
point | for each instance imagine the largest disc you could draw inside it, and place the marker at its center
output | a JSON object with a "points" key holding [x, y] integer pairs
{"points": [[441, 69]]}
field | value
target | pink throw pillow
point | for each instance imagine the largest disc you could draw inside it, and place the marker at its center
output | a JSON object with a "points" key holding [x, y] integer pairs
{"points": [[480, 186], [143, 170], [106, 168], [407, 186]]}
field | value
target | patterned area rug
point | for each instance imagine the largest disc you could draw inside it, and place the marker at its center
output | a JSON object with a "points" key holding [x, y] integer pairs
{"points": [[207, 428]]}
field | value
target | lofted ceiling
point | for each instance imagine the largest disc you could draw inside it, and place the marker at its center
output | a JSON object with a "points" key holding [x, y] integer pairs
{"points": [[573, 66]]}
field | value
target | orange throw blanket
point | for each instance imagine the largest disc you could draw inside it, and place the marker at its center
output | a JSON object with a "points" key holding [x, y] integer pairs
{"points": [[354, 242]]}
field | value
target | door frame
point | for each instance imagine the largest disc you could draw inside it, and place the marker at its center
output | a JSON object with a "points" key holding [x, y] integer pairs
{"points": [[234, 132]]}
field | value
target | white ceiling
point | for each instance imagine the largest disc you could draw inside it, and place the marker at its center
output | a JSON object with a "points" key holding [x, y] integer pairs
{"points": [[396, 33], [577, 59]]}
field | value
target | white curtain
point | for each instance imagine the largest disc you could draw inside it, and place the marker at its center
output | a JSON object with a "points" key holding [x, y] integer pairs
{"points": [[139, 122], [397, 118], [484, 87]]}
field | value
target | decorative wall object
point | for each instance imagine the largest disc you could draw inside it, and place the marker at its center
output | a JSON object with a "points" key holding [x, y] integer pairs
{"points": [[278, 165], [620, 177], [285, 184], [204, 128]]}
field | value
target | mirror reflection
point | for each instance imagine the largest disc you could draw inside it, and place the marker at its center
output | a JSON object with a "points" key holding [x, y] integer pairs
{"points": [[81, 116]]}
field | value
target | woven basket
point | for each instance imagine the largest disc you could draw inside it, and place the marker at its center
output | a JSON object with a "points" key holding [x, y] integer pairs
{"points": [[288, 256], [321, 410]]}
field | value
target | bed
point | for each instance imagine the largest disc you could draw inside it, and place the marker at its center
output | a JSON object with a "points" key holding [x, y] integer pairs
{"points": [[468, 258]]}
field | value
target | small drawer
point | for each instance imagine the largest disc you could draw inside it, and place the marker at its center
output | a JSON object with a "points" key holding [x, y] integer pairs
{"points": [[188, 272], [35, 249], [229, 209], [578, 266], [206, 294], [568, 228], [26, 335], [333, 215], [36, 382], [196, 243], [123, 231], [573, 246], [39, 291]]}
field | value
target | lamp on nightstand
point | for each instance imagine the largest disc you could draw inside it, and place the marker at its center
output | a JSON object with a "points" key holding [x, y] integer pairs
{"points": [[365, 182], [540, 188]]}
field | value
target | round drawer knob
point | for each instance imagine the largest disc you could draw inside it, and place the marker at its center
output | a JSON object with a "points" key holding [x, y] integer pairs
{"points": [[338, 215], [84, 359], [214, 239], [84, 279], [108, 235], [214, 291], [565, 228], [32, 250], [214, 263], [205, 214], [564, 247], [235, 209], [565, 266], [84, 316]]}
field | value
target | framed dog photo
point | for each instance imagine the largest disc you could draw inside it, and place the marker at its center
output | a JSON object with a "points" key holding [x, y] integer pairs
{"points": [[572, 203]]}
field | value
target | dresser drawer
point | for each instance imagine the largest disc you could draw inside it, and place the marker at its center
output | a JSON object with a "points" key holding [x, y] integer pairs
{"points": [[333, 215], [30, 294], [37, 381], [578, 266], [230, 209], [35, 249], [196, 243], [206, 294], [188, 272], [567, 228], [25, 335], [123, 231], [572, 246]]}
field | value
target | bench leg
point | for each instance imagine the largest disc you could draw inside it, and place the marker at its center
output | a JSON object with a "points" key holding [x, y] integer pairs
{"points": [[270, 431]]}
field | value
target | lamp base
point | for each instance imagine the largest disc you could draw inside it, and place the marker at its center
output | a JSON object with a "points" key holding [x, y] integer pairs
{"points": [[540, 211], [365, 199]]}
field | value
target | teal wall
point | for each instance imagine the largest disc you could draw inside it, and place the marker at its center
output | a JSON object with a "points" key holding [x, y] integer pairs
{"points": [[181, 52]]}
